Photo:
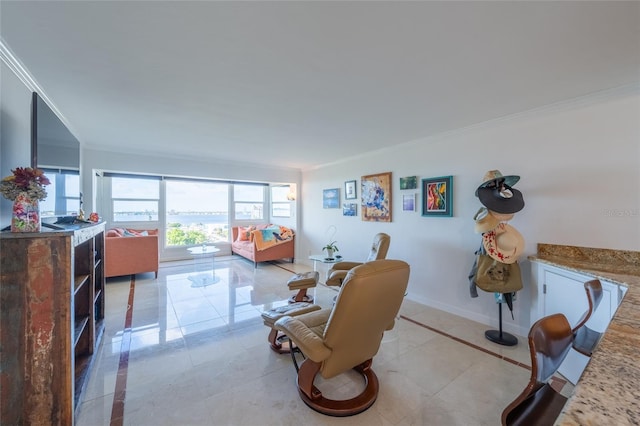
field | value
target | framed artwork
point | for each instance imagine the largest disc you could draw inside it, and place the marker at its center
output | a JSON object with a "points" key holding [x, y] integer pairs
{"points": [[350, 190], [437, 196], [409, 182], [331, 198], [376, 197], [409, 203], [349, 209]]}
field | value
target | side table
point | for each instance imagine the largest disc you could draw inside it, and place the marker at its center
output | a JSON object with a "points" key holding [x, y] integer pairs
{"points": [[202, 276], [324, 259]]}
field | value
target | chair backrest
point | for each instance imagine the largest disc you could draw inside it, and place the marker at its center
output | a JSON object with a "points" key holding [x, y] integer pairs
{"points": [[380, 247], [366, 306], [550, 340], [593, 289]]}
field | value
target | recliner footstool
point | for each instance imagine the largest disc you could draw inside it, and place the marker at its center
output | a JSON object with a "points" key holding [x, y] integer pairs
{"points": [[269, 317], [302, 282]]}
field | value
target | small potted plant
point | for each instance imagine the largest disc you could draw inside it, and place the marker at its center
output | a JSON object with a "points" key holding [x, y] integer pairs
{"points": [[330, 248]]}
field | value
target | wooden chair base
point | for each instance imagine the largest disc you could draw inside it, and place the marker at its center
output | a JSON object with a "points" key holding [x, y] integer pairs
{"points": [[301, 296], [278, 342], [313, 397], [302, 282]]}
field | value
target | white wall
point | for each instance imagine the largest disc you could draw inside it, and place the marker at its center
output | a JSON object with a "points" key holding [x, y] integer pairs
{"points": [[579, 164], [15, 130]]}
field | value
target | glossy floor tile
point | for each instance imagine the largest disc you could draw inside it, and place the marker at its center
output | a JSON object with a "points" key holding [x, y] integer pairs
{"points": [[192, 350]]}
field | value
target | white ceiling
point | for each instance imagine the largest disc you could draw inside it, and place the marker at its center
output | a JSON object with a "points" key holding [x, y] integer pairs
{"points": [[301, 84]]}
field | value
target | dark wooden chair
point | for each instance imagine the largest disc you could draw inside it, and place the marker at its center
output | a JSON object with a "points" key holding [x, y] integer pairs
{"points": [[584, 338], [550, 340]]}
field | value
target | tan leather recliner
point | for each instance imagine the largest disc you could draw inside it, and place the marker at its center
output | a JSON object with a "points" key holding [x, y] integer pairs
{"points": [[348, 336], [379, 249]]}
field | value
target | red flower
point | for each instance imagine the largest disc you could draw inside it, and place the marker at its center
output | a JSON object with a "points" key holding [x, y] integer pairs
{"points": [[23, 176], [24, 180]]}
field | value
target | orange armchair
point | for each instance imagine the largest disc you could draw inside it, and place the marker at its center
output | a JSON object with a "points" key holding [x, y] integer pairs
{"points": [[126, 255]]}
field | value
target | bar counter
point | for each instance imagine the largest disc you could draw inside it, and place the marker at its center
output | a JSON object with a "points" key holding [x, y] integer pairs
{"points": [[608, 392]]}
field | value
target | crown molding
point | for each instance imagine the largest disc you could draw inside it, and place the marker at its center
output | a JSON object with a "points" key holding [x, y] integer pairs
{"points": [[20, 71]]}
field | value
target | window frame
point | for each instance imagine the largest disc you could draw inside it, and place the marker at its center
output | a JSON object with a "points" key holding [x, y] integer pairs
{"points": [[165, 213], [280, 203], [248, 202], [113, 199]]}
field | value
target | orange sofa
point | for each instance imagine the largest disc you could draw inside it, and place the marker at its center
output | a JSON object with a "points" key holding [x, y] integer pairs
{"points": [[131, 251], [245, 245]]}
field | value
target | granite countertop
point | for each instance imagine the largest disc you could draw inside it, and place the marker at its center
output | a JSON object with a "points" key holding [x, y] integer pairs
{"points": [[608, 391]]}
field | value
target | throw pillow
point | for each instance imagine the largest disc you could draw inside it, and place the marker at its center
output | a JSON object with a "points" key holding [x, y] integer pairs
{"points": [[286, 233], [244, 232]]}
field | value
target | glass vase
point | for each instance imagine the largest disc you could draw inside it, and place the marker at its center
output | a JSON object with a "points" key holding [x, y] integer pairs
{"points": [[26, 214]]}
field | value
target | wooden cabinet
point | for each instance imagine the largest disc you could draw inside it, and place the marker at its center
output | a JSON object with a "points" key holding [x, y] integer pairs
{"points": [[51, 321], [562, 290]]}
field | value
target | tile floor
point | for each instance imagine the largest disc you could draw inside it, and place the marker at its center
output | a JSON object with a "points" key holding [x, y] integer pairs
{"points": [[187, 354]]}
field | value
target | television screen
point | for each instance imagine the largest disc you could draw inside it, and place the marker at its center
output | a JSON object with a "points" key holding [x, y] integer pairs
{"points": [[55, 150]]}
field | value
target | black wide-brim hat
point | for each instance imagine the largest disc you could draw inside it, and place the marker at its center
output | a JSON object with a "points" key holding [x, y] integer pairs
{"points": [[499, 201], [494, 179]]}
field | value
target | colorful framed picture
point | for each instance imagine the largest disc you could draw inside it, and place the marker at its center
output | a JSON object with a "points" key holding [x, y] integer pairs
{"points": [[437, 196], [375, 193], [409, 203], [350, 190], [409, 182], [349, 209], [331, 198]]}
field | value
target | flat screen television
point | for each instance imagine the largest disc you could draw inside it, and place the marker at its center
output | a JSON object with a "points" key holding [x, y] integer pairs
{"points": [[57, 151]]}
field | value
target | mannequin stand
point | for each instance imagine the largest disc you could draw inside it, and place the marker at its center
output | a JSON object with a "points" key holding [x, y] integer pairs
{"points": [[498, 336]]}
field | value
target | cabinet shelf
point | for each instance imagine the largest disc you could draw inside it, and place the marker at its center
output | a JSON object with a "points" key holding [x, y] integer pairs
{"points": [[79, 281], [80, 325], [68, 288], [97, 296]]}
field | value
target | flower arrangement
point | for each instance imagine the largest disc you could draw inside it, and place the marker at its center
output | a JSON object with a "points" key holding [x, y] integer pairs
{"points": [[24, 179]]}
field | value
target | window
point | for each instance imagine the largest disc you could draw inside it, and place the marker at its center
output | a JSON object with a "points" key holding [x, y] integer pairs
{"points": [[197, 212], [280, 204], [248, 201], [63, 194], [187, 211], [135, 199]]}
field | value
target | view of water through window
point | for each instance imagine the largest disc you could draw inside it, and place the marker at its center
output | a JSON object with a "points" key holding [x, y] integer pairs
{"points": [[195, 211]]}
